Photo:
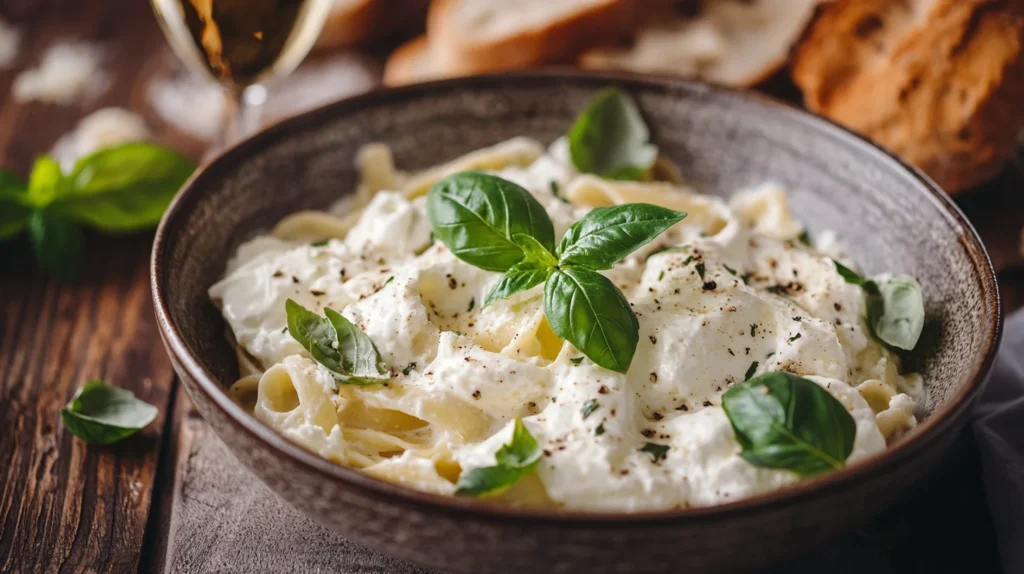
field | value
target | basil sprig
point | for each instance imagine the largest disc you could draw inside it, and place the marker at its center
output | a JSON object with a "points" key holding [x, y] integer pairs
{"points": [[497, 225], [334, 342], [610, 139], [102, 414], [895, 307], [116, 190], [787, 422], [516, 459]]}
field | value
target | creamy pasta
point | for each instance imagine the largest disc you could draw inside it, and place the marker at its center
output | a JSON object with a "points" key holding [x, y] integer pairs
{"points": [[462, 373]]}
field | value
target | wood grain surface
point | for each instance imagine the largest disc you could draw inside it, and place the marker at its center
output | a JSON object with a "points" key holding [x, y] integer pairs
{"points": [[170, 498]]}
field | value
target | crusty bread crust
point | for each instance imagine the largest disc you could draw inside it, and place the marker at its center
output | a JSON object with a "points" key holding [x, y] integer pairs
{"points": [[358, 22], [410, 63], [558, 41], [940, 82]]}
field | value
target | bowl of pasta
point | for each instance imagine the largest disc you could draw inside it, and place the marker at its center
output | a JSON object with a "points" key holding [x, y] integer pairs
{"points": [[568, 321]]}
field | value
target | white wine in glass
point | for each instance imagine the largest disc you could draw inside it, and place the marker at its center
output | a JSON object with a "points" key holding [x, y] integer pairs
{"points": [[240, 44]]}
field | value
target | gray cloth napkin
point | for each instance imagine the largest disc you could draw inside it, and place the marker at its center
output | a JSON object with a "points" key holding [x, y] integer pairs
{"points": [[999, 432]]}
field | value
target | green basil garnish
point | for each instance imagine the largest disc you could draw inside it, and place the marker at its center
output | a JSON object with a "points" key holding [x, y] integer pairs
{"points": [[610, 139], [477, 215], [56, 243], [337, 344], [786, 422], [587, 309], [514, 460], [521, 277], [895, 307], [102, 414], [119, 189], [657, 451], [896, 311], [608, 234]]}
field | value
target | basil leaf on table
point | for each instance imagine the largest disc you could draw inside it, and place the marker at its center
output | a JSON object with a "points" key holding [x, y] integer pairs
{"points": [[45, 182], [610, 138], [896, 311], [14, 212], [607, 235], [56, 243], [337, 344], [787, 422], [521, 277], [477, 215], [588, 310], [124, 188], [102, 414], [516, 459]]}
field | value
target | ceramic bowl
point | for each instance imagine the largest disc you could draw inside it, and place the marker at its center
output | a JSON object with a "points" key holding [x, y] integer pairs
{"points": [[889, 216]]}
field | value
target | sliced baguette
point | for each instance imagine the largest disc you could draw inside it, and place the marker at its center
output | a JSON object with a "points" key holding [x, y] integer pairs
{"points": [[471, 36], [940, 82], [412, 62], [356, 22], [732, 42]]}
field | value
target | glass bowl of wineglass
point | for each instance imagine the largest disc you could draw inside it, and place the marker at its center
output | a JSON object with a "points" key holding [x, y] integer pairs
{"points": [[241, 44]]}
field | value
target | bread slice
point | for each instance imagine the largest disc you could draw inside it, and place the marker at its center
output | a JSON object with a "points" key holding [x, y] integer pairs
{"points": [[731, 42], [471, 36], [940, 82], [412, 62], [357, 22]]}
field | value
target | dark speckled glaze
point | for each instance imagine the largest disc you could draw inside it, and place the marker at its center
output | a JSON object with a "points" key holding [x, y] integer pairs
{"points": [[889, 216]]}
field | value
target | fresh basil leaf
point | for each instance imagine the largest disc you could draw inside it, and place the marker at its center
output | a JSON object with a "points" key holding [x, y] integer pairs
{"points": [[56, 243], [360, 359], [521, 277], [337, 344], [124, 188], [316, 335], [102, 414], [516, 459], [848, 274], [534, 251], [606, 235], [895, 310], [586, 309], [10, 182], [14, 211], [588, 408], [610, 138], [45, 182], [787, 422], [477, 215]]}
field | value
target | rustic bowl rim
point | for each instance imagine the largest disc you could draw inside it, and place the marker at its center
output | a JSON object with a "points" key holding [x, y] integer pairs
{"points": [[930, 430]]}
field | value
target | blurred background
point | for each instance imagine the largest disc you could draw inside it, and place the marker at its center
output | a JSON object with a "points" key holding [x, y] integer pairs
{"points": [[940, 82]]}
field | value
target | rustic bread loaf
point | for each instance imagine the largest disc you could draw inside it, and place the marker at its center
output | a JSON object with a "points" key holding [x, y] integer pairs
{"points": [[354, 22], [940, 82], [470, 36], [732, 42]]}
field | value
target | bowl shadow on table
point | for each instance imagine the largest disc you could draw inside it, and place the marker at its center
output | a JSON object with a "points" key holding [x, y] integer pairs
{"points": [[725, 141]]}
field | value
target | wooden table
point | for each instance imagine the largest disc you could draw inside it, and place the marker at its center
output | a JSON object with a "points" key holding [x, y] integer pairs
{"points": [[67, 506]]}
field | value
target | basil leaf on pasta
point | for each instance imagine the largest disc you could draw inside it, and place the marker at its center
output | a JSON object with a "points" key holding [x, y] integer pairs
{"points": [[586, 309], [521, 277], [514, 460], [607, 235], [896, 311], [337, 344], [102, 414], [849, 275], [359, 356], [610, 139], [787, 422], [477, 215]]}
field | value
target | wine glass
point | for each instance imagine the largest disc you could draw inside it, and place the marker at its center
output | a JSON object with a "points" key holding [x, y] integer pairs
{"points": [[240, 44]]}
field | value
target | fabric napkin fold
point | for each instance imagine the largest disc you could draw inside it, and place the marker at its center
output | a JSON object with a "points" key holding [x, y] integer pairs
{"points": [[999, 433]]}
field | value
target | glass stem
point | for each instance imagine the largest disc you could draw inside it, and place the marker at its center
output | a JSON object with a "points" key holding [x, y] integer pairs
{"points": [[242, 113]]}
